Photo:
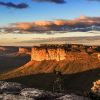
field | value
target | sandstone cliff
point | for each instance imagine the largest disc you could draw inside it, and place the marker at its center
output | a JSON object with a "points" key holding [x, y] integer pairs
{"points": [[23, 50], [61, 53], [40, 54], [47, 59]]}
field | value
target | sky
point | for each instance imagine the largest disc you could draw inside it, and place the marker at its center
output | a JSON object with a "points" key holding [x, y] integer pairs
{"points": [[33, 10], [47, 12]]}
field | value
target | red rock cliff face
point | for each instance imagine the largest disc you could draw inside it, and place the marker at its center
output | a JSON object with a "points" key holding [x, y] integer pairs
{"points": [[58, 54], [40, 54], [48, 59], [23, 50]]}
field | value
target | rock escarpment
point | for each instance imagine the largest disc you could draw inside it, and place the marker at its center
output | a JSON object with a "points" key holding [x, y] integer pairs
{"points": [[32, 93], [23, 50], [40, 54], [59, 53], [68, 59]]}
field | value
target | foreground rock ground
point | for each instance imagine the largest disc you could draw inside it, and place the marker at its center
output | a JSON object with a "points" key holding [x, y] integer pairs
{"points": [[16, 91]]}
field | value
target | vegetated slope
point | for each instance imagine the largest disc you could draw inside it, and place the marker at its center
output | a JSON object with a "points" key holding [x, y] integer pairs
{"points": [[75, 62]]}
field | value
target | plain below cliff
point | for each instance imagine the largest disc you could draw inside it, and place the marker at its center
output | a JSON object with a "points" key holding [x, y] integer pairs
{"points": [[11, 59]]}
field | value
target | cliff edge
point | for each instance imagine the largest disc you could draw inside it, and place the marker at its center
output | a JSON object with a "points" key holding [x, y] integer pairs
{"points": [[68, 59]]}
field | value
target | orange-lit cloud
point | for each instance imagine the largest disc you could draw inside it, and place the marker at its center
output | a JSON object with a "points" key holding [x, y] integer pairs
{"points": [[24, 25], [60, 22], [82, 19], [43, 23]]}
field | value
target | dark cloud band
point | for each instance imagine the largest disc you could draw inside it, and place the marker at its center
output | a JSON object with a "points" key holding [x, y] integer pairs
{"points": [[12, 5], [52, 1]]}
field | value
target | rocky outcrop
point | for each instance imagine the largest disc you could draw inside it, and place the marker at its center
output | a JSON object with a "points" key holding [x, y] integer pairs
{"points": [[23, 50], [9, 87], [14, 97], [72, 97], [40, 54], [35, 94], [67, 58], [59, 53], [45, 59], [31, 92], [96, 88], [98, 56]]}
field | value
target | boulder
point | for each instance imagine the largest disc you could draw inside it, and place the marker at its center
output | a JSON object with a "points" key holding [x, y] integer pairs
{"points": [[39, 94], [7, 87], [14, 97], [72, 97], [31, 92], [96, 88], [1, 83]]}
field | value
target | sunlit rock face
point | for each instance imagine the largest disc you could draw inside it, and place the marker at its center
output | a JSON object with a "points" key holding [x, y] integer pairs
{"points": [[40, 54], [57, 54], [23, 50], [98, 56], [47, 58], [96, 87]]}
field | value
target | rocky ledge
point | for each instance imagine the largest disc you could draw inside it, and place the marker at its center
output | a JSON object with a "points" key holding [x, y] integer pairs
{"points": [[96, 87], [16, 91]]}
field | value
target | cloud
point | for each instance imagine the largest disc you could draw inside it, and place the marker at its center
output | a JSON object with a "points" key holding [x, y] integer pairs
{"points": [[82, 20], [13, 5], [52, 1], [24, 5], [43, 23], [24, 25]]}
